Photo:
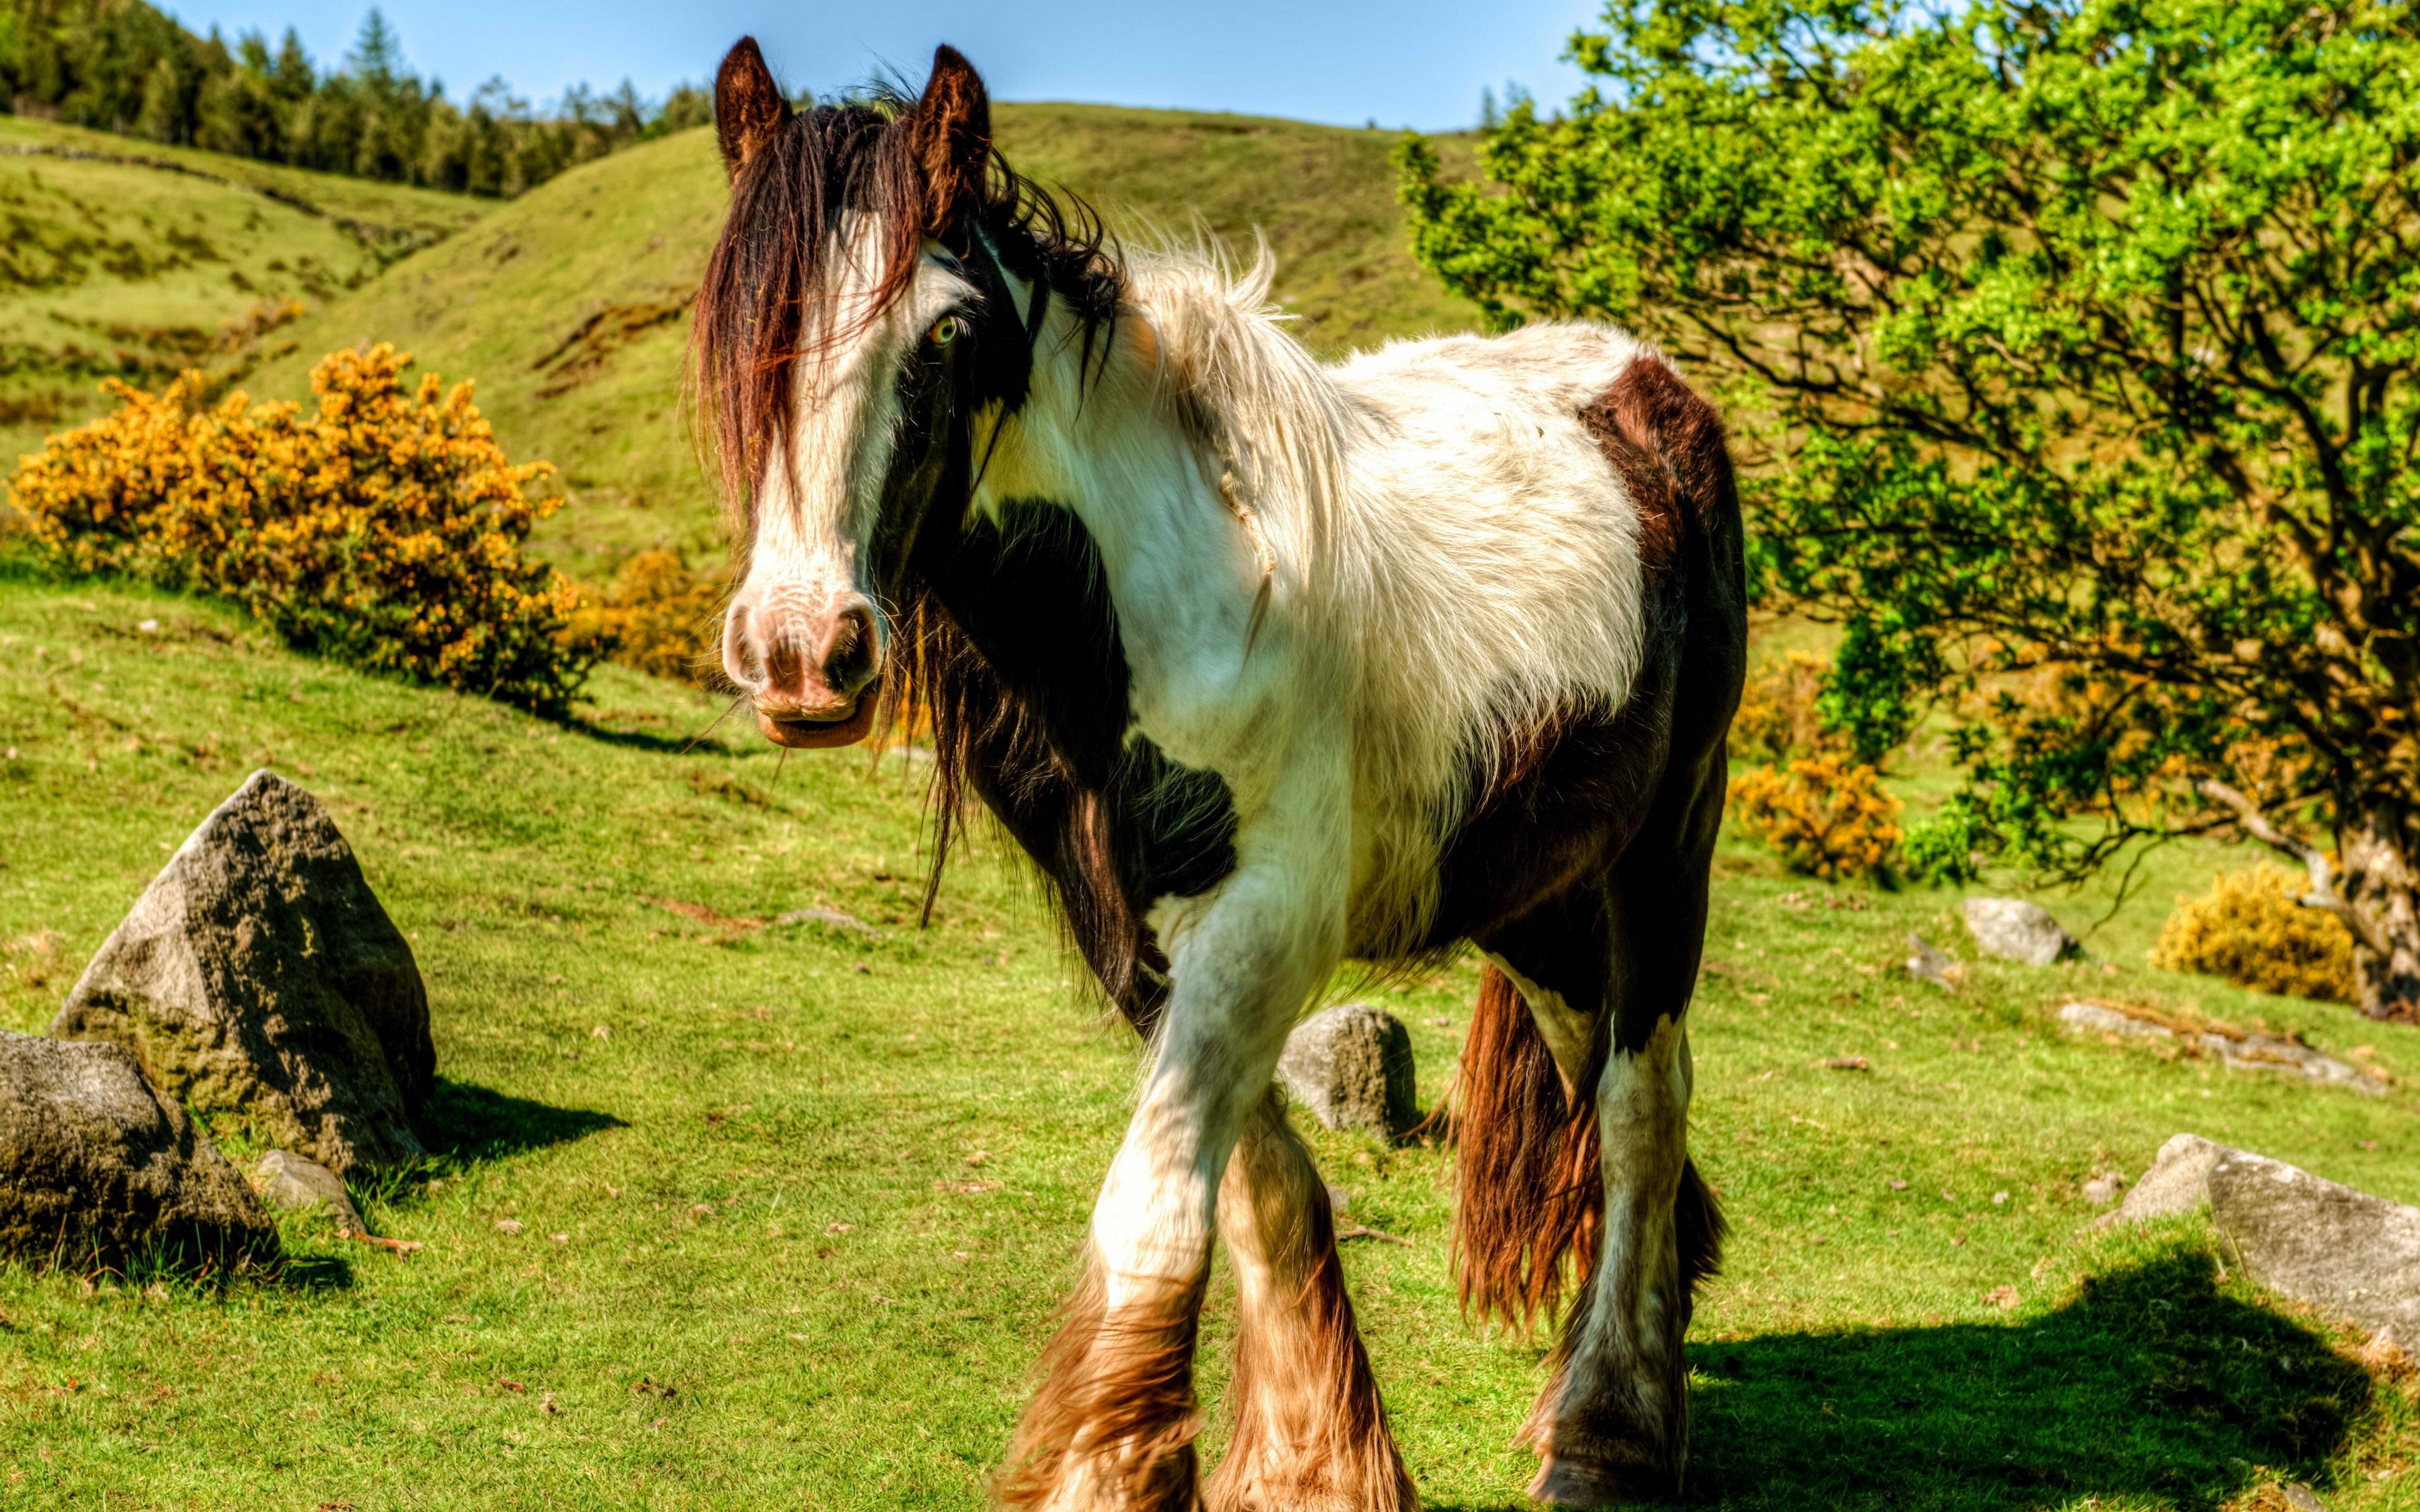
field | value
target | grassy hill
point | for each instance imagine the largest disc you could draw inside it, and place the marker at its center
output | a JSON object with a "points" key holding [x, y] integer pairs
{"points": [[569, 305], [128, 259], [797, 1200]]}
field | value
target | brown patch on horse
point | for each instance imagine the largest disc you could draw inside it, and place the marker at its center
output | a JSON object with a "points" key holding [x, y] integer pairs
{"points": [[1309, 1430], [1561, 801], [1114, 1413], [1529, 1201], [749, 109]]}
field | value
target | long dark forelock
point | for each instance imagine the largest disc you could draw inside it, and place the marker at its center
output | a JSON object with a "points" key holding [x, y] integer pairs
{"points": [[773, 264]]}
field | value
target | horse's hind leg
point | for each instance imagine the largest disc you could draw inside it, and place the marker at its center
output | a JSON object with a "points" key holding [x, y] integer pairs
{"points": [[1309, 1434], [1614, 1419]]}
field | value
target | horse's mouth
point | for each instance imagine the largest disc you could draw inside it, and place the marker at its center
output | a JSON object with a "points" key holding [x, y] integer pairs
{"points": [[800, 731]]}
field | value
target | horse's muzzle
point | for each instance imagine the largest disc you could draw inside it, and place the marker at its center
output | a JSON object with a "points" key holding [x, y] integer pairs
{"points": [[812, 675]]}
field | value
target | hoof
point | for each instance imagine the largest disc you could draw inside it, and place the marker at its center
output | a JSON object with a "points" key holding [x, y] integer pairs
{"points": [[1575, 1483]]}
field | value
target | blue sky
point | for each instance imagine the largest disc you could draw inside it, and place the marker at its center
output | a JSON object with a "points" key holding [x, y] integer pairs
{"points": [[1418, 63]]}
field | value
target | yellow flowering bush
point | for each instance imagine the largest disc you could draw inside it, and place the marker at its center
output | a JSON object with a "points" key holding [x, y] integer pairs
{"points": [[1827, 818], [1779, 717], [2248, 929], [385, 529], [657, 616]]}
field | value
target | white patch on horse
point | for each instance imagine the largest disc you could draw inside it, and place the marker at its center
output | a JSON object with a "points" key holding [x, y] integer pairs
{"points": [[1633, 1318], [817, 503]]}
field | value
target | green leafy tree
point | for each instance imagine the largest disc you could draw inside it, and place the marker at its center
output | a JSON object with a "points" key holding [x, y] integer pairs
{"points": [[2077, 342]]}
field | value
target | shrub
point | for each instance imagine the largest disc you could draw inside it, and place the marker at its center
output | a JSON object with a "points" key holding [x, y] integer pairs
{"points": [[2249, 930], [1828, 819], [386, 529], [1779, 716], [657, 617], [1943, 848]]}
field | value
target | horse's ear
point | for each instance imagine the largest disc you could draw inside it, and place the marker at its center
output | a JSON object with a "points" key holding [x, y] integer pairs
{"points": [[950, 130], [749, 107]]}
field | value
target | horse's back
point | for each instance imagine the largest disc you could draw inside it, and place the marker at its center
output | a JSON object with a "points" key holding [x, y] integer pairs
{"points": [[1538, 513]]}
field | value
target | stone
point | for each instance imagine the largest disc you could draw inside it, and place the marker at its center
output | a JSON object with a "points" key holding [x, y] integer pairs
{"points": [[257, 974], [2267, 1055], [2015, 930], [2102, 1188], [2099, 1018], [1351, 1067], [2320, 1242], [2178, 1181], [289, 1181], [97, 1167], [2261, 1054], [1938, 967]]}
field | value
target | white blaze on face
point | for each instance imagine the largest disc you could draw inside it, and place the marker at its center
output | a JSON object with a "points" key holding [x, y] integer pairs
{"points": [[796, 632]]}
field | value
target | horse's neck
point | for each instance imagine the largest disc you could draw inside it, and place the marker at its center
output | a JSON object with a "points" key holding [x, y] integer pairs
{"points": [[1104, 446], [1094, 439]]}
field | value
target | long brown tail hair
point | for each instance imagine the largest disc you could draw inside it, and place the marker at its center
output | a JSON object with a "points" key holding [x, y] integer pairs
{"points": [[1530, 1209]]}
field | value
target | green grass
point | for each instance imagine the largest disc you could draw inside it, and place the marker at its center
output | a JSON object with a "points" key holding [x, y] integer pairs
{"points": [[125, 258], [569, 305], [775, 1286]]}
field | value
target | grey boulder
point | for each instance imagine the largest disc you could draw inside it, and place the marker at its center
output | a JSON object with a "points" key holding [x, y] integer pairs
{"points": [[290, 1182], [257, 974], [1351, 1067], [2178, 1181], [2014, 930], [2319, 1243], [96, 1167]]}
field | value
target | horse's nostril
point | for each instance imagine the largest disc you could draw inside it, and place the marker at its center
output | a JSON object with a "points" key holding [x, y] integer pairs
{"points": [[850, 657]]}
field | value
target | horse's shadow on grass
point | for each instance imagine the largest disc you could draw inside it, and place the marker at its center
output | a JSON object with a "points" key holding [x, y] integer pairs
{"points": [[2153, 1386], [465, 1122]]}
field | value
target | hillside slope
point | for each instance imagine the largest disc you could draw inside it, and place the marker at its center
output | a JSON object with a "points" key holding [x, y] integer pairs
{"points": [[128, 259], [570, 306], [776, 1188]]}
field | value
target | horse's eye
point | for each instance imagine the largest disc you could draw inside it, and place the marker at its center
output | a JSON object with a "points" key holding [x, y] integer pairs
{"points": [[944, 332]]}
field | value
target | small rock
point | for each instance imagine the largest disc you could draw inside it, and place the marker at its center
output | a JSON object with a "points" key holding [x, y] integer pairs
{"points": [[1937, 967], [508, 1225], [2320, 1242], [2178, 1181], [2302, 1498], [1338, 1199], [1351, 1067], [2014, 930], [258, 974], [2284, 1058], [1896, 1183], [147, 627], [833, 916], [2099, 1018], [2259, 1053], [288, 1180], [2102, 1188], [96, 1165]]}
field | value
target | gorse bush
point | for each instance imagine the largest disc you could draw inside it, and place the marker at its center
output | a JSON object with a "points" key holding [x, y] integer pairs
{"points": [[1779, 716], [2249, 930], [1827, 818], [384, 529], [657, 616]]}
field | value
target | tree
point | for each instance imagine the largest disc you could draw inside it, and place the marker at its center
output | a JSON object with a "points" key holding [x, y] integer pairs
{"points": [[2078, 339]]}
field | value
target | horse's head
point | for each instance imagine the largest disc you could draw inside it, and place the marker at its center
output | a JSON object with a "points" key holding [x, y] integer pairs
{"points": [[873, 298]]}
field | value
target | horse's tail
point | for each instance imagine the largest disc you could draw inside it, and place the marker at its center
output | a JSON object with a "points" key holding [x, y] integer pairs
{"points": [[1530, 1209]]}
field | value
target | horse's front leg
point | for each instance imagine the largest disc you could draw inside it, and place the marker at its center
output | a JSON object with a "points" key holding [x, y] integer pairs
{"points": [[1113, 1424]]}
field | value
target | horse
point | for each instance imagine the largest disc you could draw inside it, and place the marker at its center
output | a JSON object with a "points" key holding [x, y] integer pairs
{"points": [[1268, 667]]}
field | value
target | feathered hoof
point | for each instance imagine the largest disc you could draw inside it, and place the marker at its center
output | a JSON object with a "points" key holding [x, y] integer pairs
{"points": [[1577, 1483]]}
